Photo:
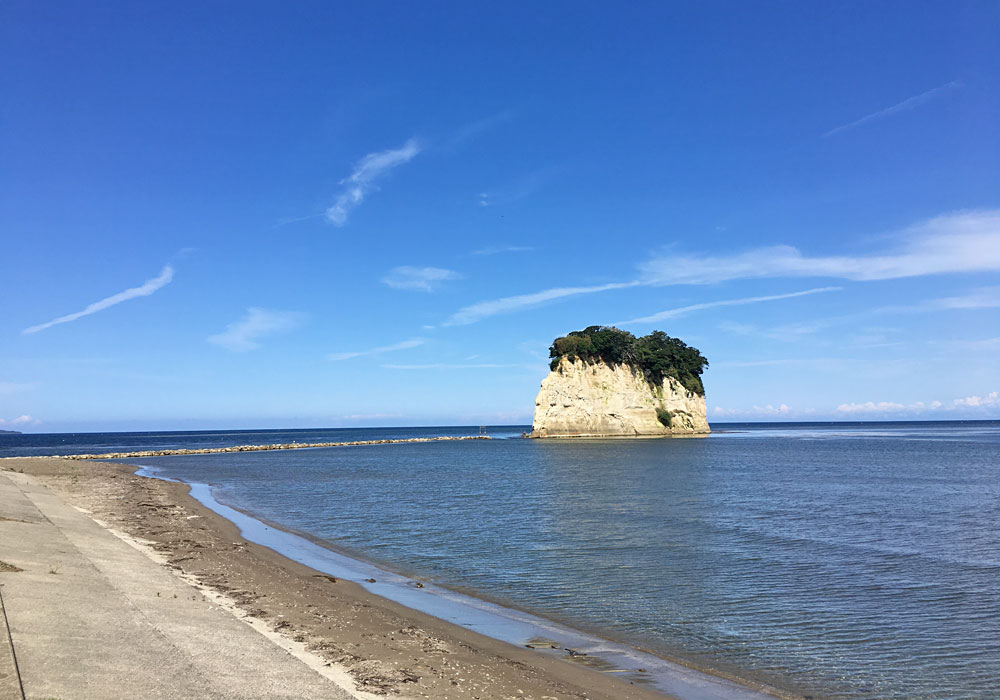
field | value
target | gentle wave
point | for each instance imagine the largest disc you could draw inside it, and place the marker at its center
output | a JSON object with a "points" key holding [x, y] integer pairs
{"points": [[843, 561]]}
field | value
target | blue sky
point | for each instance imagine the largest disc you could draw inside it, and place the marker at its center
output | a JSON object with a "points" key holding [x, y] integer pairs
{"points": [[221, 215]]}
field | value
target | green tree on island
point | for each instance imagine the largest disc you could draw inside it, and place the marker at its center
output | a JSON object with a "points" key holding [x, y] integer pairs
{"points": [[656, 355]]}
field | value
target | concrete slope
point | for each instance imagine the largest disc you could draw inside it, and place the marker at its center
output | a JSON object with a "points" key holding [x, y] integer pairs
{"points": [[91, 617]]}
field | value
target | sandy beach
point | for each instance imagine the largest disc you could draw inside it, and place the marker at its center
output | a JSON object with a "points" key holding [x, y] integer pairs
{"points": [[380, 646]]}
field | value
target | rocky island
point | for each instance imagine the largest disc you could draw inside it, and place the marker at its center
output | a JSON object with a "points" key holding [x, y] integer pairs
{"points": [[606, 382]]}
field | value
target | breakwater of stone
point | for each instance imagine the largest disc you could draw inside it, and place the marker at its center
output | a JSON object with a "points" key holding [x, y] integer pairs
{"points": [[264, 448]]}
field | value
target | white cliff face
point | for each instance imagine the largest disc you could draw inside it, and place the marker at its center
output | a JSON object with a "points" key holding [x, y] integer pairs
{"points": [[585, 400]]}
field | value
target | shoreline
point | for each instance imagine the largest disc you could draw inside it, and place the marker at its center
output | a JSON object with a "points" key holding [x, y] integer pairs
{"points": [[445, 646], [496, 620]]}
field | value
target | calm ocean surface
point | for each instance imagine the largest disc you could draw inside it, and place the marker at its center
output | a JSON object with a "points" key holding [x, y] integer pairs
{"points": [[843, 560]]}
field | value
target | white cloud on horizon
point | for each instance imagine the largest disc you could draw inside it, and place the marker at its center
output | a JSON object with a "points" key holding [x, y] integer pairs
{"points": [[683, 310], [243, 335], [966, 241], [991, 399], [405, 345], [370, 416], [363, 179], [756, 411], [969, 405], [144, 290], [21, 420], [484, 309], [907, 104], [424, 279], [875, 407]]}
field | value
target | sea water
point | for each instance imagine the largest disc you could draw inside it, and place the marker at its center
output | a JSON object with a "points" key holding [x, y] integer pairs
{"points": [[841, 560]]}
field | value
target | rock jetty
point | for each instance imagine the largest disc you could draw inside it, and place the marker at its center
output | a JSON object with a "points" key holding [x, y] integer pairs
{"points": [[264, 448]]}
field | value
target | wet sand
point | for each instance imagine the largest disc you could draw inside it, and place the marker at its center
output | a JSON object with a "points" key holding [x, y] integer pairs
{"points": [[385, 647]]}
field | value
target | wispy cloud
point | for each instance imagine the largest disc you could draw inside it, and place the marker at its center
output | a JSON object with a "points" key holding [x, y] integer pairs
{"points": [[907, 104], [982, 298], [485, 309], [366, 174], [524, 186], [473, 129], [144, 290], [257, 323], [424, 279], [285, 221], [498, 249], [451, 365], [818, 362], [982, 344], [756, 363], [967, 241], [405, 345], [959, 242], [785, 332], [683, 310]]}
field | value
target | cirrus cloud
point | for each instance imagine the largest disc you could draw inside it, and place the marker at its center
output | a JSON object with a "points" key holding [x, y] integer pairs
{"points": [[452, 365], [405, 345], [907, 104], [424, 279], [143, 290], [953, 243], [966, 241], [245, 334], [366, 174], [683, 310], [484, 309]]}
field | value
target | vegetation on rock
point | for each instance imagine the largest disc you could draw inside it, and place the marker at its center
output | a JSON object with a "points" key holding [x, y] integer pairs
{"points": [[656, 355], [663, 415]]}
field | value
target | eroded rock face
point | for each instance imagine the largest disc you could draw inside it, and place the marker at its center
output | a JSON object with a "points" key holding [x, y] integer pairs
{"points": [[588, 400]]}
